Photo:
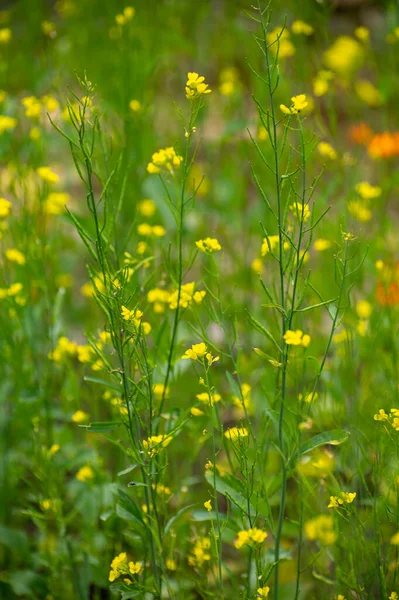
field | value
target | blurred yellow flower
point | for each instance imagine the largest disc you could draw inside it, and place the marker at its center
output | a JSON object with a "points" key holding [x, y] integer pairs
{"points": [[249, 537], [85, 474], [14, 255], [300, 27], [368, 93], [5, 207], [327, 151], [47, 174], [321, 244], [321, 528], [208, 245], [280, 39], [367, 191], [7, 123], [362, 34], [344, 56], [79, 416], [296, 338], [5, 35]]}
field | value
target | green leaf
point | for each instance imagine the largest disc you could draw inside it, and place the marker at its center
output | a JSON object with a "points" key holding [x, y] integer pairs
{"points": [[14, 540], [235, 388], [335, 437], [102, 427], [107, 384], [178, 515]]}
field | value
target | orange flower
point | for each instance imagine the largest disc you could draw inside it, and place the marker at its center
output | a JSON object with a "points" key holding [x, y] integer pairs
{"points": [[384, 145], [360, 133], [387, 292]]}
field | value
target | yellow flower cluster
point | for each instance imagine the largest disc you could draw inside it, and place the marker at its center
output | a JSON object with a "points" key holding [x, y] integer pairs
{"points": [[248, 537], [392, 418], [187, 296], [201, 552], [135, 317], [121, 566], [165, 160], [47, 175], [236, 433], [196, 86], [200, 352], [126, 16], [7, 123], [158, 298], [14, 255], [208, 245], [343, 498], [55, 203], [85, 474], [297, 338], [147, 230], [301, 28], [156, 443], [298, 104], [300, 210], [210, 400], [280, 40], [321, 528], [263, 592], [13, 292], [327, 151], [367, 191], [344, 56]]}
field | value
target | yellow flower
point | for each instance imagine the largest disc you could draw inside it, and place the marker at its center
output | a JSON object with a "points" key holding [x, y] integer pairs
{"points": [[47, 174], [393, 596], [359, 211], [7, 123], [195, 86], [250, 537], [321, 528], [196, 351], [79, 416], [362, 34], [208, 245], [208, 505], [134, 567], [300, 27], [156, 443], [5, 35], [196, 412], [15, 255], [204, 397], [85, 474], [296, 338], [135, 106], [33, 106], [301, 211], [236, 433], [229, 81], [54, 449], [200, 552], [364, 309], [55, 203], [263, 592], [158, 298], [272, 241], [171, 564], [35, 133], [279, 39], [298, 104], [395, 539], [147, 207], [381, 415], [321, 82], [327, 151], [165, 160], [367, 191], [5, 207], [50, 103], [320, 245], [368, 93], [48, 28], [344, 56], [311, 397]]}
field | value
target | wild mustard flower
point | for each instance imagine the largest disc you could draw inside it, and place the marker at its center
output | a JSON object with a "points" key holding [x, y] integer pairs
{"points": [[249, 537], [5, 208], [395, 539], [327, 151], [271, 243], [33, 107], [121, 566], [126, 16], [301, 28], [147, 207], [5, 35], [208, 505], [301, 211], [196, 86], [209, 399], [263, 592], [344, 498], [236, 433], [165, 160], [367, 191], [85, 474], [55, 203], [368, 93], [321, 528], [298, 104], [364, 309], [7, 123], [308, 398], [229, 81], [14, 255], [280, 39], [344, 56], [79, 416], [296, 338], [135, 106], [47, 174], [321, 82], [359, 211], [200, 553], [200, 352], [362, 34], [208, 245], [188, 296], [156, 443], [321, 244]]}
